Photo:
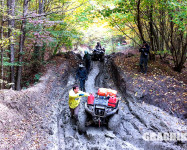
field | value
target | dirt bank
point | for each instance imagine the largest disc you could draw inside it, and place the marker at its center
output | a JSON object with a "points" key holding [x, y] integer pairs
{"points": [[27, 116], [155, 88]]}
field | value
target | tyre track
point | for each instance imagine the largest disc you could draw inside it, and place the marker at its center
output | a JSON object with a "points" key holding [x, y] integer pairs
{"points": [[136, 119]]}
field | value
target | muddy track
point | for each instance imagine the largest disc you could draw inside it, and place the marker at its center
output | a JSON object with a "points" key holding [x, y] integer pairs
{"points": [[136, 119], [45, 106], [48, 124]]}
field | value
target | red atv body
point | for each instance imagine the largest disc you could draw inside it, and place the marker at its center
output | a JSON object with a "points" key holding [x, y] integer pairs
{"points": [[101, 109]]}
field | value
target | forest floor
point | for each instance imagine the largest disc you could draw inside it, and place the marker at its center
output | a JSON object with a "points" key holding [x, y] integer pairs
{"points": [[162, 86]]}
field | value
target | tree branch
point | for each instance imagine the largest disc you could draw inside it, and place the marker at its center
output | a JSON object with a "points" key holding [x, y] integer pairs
{"points": [[46, 14], [119, 28]]}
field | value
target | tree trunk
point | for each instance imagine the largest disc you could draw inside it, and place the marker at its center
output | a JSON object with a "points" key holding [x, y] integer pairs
{"points": [[41, 6], [181, 53], [21, 45], [152, 56], [11, 26], [2, 48], [139, 21], [43, 52], [162, 28], [40, 50], [173, 49]]}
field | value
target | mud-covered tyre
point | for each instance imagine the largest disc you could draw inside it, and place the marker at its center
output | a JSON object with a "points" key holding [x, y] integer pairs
{"points": [[93, 59], [102, 59], [82, 121], [96, 58], [114, 122]]}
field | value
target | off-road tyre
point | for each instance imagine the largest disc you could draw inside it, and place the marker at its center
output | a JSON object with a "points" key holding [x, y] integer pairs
{"points": [[102, 58], [93, 58], [114, 122]]}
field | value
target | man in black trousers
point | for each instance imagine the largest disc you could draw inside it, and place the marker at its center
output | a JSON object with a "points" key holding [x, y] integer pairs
{"points": [[82, 76], [144, 57]]}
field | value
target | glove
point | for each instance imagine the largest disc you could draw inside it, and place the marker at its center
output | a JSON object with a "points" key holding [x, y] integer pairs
{"points": [[81, 94]]}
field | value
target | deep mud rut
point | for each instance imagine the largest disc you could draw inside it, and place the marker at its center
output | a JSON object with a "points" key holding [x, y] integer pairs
{"points": [[136, 119]]}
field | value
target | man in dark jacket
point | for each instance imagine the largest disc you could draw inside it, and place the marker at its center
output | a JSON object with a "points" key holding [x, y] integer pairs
{"points": [[98, 46], [87, 61], [144, 57], [82, 75]]}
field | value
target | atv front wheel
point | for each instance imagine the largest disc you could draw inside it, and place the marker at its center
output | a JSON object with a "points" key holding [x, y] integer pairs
{"points": [[102, 59], [114, 122]]}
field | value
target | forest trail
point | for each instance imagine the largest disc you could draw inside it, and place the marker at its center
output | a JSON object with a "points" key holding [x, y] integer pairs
{"points": [[54, 130], [136, 119]]}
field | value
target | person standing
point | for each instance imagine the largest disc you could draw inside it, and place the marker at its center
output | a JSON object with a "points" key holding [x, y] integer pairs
{"points": [[87, 61], [144, 50], [82, 75], [98, 46], [74, 101]]}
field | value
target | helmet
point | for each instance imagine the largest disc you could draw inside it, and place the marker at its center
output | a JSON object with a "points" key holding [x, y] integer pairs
{"points": [[81, 65]]}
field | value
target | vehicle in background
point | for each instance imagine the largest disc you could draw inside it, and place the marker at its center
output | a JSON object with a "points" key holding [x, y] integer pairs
{"points": [[98, 54]]}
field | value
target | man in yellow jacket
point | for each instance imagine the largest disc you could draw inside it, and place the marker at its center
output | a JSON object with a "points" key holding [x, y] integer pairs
{"points": [[74, 100]]}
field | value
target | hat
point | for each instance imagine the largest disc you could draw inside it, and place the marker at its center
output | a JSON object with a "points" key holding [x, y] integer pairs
{"points": [[81, 65]]}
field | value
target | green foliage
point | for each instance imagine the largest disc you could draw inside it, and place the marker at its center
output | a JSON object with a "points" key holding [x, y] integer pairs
{"points": [[6, 63], [37, 77], [106, 21], [63, 37], [162, 52], [178, 11]]}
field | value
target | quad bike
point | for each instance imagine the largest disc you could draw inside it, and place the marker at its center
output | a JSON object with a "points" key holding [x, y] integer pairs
{"points": [[100, 110], [98, 54]]}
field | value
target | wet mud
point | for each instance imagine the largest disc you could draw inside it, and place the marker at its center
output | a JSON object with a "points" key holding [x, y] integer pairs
{"points": [[136, 119], [61, 133]]}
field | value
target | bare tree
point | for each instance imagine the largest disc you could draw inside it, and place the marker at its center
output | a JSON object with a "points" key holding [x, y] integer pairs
{"points": [[139, 21], [11, 26], [2, 49], [41, 6], [21, 44]]}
